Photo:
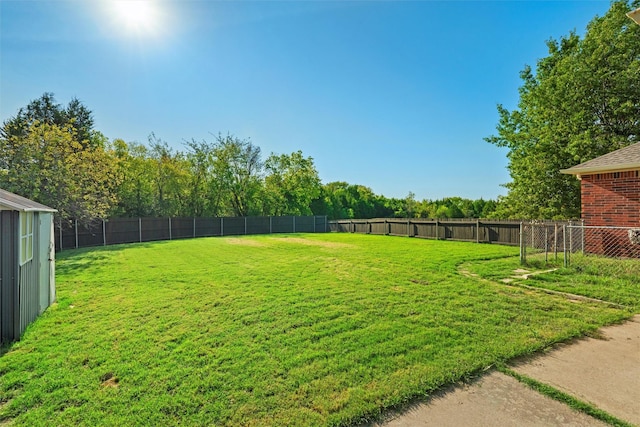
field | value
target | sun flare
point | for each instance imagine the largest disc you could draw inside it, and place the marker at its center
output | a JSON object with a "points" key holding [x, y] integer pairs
{"points": [[140, 17]]}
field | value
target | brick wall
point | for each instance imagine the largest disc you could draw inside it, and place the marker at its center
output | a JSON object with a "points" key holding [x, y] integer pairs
{"points": [[611, 199]]}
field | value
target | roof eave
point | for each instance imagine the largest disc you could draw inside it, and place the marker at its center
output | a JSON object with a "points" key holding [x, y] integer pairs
{"points": [[576, 170], [13, 207]]}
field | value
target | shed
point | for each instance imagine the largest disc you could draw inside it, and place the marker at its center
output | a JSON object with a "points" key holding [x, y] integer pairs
{"points": [[610, 188], [27, 263]]}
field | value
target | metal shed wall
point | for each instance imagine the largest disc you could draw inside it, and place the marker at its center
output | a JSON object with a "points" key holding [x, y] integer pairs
{"points": [[27, 290], [9, 316]]}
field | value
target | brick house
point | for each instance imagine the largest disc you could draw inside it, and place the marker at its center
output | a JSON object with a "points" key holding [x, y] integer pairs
{"points": [[610, 195]]}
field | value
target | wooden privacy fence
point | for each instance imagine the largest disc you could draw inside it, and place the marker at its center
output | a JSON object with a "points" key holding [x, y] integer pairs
{"points": [[131, 230], [468, 230]]}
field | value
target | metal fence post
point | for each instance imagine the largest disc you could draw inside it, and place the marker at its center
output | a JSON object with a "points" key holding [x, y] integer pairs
{"points": [[326, 223], [583, 230], [314, 223], [522, 245], [533, 237], [270, 225], [245, 225], [104, 234], [294, 223], [570, 237], [546, 244], [555, 240], [76, 234], [221, 226], [140, 229], [194, 227], [60, 228], [564, 240]]}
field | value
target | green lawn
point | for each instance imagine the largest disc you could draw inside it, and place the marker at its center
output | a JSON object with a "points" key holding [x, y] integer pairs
{"points": [[325, 329], [607, 279]]}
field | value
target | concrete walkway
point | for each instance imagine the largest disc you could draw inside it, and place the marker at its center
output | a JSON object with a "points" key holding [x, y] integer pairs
{"points": [[604, 372]]}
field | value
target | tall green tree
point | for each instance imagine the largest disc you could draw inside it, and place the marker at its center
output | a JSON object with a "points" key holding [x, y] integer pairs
{"points": [[49, 165], [582, 101], [75, 117], [171, 177], [238, 168], [52, 154], [201, 201], [291, 183], [136, 192]]}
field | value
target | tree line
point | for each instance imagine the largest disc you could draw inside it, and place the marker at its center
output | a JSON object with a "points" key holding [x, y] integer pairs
{"points": [[52, 154]]}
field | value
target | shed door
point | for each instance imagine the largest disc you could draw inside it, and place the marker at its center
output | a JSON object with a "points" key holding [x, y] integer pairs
{"points": [[42, 246], [52, 263]]}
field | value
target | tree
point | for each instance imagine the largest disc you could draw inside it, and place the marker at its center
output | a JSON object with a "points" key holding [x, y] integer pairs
{"points": [[200, 200], [237, 179], [136, 171], [170, 178], [329, 202], [292, 182], [582, 101], [77, 118], [53, 155], [48, 164]]}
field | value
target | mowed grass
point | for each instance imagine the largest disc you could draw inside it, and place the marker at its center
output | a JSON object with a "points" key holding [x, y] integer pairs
{"points": [[607, 279], [301, 330]]}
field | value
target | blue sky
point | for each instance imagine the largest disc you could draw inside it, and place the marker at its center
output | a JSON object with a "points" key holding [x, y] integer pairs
{"points": [[394, 95]]}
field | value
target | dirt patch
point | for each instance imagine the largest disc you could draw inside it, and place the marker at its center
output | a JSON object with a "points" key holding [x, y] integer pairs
{"points": [[301, 241], [3, 403], [244, 242], [109, 380]]}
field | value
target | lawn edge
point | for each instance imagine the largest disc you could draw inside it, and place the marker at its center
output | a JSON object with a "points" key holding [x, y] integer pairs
{"points": [[567, 399]]}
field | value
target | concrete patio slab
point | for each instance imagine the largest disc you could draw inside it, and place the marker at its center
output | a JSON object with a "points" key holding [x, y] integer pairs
{"points": [[604, 372], [493, 400]]}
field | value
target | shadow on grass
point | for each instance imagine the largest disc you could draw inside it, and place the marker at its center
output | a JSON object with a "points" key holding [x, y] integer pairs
{"points": [[75, 260], [6, 347]]}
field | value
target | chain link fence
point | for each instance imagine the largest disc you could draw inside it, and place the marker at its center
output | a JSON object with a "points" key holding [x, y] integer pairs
{"points": [[610, 242], [549, 240], [575, 244]]}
